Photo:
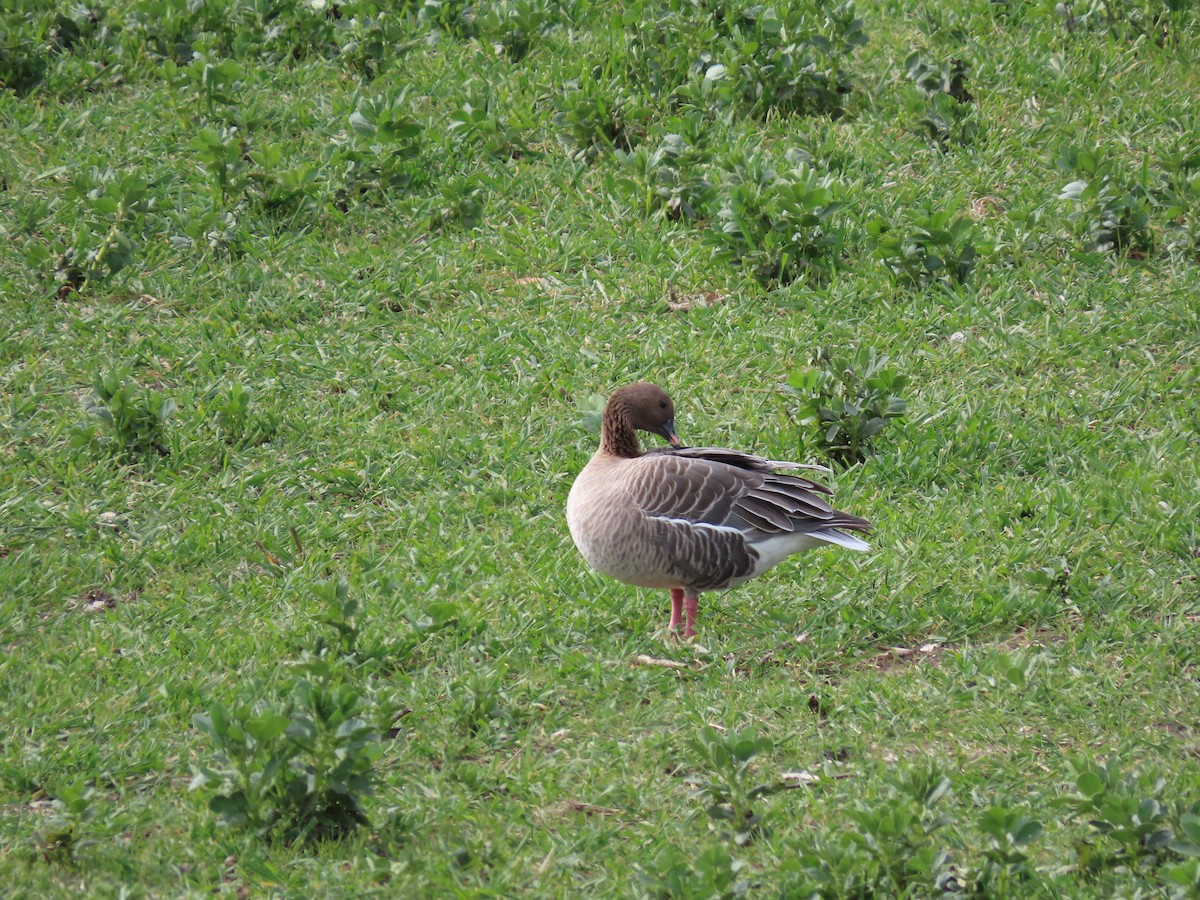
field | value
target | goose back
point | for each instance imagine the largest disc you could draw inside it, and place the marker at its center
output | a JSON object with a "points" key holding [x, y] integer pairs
{"points": [[699, 518]]}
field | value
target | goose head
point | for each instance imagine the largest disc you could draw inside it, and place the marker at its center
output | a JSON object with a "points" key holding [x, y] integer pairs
{"points": [[637, 407]]}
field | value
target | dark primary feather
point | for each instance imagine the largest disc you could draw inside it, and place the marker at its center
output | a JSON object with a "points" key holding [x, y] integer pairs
{"points": [[739, 460], [720, 487]]}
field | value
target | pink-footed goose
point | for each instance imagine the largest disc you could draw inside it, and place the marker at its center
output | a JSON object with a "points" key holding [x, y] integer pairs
{"points": [[691, 519]]}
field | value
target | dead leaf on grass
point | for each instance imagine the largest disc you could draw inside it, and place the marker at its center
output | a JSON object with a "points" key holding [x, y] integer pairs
{"points": [[541, 281], [798, 779], [569, 807], [40, 803], [590, 809], [801, 778], [643, 659], [984, 207], [894, 657], [678, 302], [95, 600]]}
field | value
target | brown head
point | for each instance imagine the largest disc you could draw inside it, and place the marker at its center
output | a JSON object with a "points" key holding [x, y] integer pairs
{"points": [[642, 406]]}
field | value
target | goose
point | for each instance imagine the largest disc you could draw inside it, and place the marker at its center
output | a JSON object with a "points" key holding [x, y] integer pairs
{"points": [[692, 519]]}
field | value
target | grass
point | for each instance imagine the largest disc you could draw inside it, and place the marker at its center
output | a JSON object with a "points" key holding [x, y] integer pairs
{"points": [[409, 367]]}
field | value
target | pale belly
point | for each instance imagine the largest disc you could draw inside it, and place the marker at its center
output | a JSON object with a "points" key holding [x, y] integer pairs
{"points": [[621, 548]]}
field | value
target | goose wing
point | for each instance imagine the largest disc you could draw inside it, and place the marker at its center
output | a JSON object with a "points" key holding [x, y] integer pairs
{"points": [[687, 501], [739, 460], [709, 506], [718, 487]]}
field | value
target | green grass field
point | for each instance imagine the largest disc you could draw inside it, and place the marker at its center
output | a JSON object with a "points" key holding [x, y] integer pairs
{"points": [[301, 303]]}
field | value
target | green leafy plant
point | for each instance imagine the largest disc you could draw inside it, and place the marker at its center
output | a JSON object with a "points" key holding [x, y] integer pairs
{"points": [[384, 157], [785, 58], [591, 412], [932, 245], [478, 122], [934, 76], [848, 403], [348, 640], [943, 104], [899, 833], [1179, 194], [218, 230], [190, 32], [1006, 861], [459, 206], [668, 50], [371, 37], [134, 417], [1128, 19], [943, 25], [829, 865], [456, 18], [239, 421], [298, 764], [217, 82], [889, 846], [596, 113], [1185, 877], [301, 30], [221, 153], [515, 26], [1019, 667], [1111, 212], [1125, 809], [727, 784], [778, 226], [386, 121], [22, 66], [50, 47], [1187, 833], [712, 874], [742, 58], [947, 122], [110, 208], [278, 188], [74, 807], [668, 177], [477, 701], [340, 613]]}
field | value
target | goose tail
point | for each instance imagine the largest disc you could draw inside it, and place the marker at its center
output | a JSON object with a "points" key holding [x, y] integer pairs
{"points": [[834, 536]]}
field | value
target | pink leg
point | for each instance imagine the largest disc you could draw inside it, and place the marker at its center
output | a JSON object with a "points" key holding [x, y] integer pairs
{"points": [[691, 599], [676, 608]]}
